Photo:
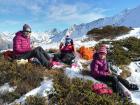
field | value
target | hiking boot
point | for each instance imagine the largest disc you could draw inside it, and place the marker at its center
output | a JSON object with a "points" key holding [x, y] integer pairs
{"points": [[133, 87]]}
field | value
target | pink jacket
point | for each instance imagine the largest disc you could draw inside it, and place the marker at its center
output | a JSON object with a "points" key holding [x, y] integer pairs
{"points": [[99, 68], [21, 44]]}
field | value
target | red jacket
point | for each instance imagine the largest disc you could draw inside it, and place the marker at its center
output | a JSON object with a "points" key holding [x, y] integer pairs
{"points": [[21, 44], [67, 48]]}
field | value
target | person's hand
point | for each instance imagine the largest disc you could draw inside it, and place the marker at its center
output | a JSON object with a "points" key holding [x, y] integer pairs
{"points": [[61, 44], [33, 47], [110, 72]]}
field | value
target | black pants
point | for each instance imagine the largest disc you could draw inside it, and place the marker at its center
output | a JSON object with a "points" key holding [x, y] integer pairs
{"points": [[38, 53], [64, 57], [112, 79], [115, 83]]}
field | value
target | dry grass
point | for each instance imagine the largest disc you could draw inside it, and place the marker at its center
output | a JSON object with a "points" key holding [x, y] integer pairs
{"points": [[125, 72]]}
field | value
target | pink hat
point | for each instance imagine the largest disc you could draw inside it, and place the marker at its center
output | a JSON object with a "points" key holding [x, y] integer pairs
{"points": [[102, 50], [103, 45]]}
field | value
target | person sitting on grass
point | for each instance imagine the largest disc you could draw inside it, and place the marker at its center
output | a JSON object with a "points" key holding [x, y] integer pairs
{"points": [[67, 52], [100, 71], [22, 48]]}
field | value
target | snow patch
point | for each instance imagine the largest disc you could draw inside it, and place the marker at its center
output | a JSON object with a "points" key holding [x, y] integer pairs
{"points": [[135, 78], [6, 88], [42, 90]]}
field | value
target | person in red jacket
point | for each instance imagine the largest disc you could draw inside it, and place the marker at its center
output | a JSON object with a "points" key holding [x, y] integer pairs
{"points": [[67, 51], [23, 50]]}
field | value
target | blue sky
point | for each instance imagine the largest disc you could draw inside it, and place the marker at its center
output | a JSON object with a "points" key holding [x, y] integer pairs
{"points": [[44, 15]]}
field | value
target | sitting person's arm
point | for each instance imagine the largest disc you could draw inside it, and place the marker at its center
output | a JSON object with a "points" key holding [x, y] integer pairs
{"points": [[61, 45]]}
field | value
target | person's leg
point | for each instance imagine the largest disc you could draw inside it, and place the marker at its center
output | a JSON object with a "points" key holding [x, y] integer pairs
{"points": [[57, 57], [27, 55], [43, 52], [67, 58], [113, 80], [127, 84], [62, 55], [37, 54], [123, 81]]}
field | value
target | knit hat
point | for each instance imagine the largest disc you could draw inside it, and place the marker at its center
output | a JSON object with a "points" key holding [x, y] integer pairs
{"points": [[68, 40], [102, 50], [26, 28]]}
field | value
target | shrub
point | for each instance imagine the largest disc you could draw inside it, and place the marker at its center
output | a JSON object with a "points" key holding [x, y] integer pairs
{"points": [[119, 56], [1, 55], [25, 77], [78, 92], [108, 32], [53, 73], [9, 97], [133, 44], [36, 100]]}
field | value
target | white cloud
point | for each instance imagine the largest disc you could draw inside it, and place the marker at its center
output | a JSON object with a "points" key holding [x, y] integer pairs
{"points": [[48, 12], [54, 10], [80, 12], [34, 6]]}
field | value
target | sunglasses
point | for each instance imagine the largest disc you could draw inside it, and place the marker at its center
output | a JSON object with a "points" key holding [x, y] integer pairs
{"points": [[27, 32]]}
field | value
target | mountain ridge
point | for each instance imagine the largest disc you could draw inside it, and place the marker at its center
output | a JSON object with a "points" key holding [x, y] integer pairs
{"points": [[128, 17]]}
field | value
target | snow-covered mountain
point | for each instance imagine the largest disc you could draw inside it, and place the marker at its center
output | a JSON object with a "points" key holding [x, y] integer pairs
{"points": [[128, 17], [6, 40]]}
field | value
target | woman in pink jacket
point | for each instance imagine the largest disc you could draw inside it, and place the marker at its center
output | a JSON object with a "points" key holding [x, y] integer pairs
{"points": [[22, 49]]}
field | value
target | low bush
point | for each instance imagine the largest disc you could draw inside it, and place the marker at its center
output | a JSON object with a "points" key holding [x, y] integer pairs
{"points": [[36, 100], [25, 77], [78, 92], [9, 97], [108, 32], [123, 51]]}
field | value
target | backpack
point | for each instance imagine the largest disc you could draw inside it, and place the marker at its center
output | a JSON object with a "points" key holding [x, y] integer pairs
{"points": [[101, 88], [8, 55], [86, 52]]}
